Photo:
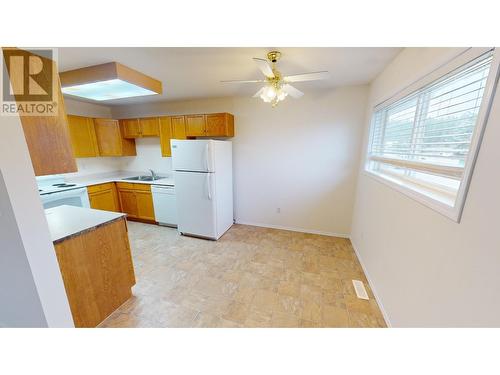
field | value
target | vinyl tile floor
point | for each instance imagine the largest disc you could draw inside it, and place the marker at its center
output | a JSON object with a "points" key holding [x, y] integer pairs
{"points": [[251, 277]]}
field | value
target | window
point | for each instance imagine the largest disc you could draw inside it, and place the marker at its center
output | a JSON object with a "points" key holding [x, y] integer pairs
{"points": [[424, 143]]}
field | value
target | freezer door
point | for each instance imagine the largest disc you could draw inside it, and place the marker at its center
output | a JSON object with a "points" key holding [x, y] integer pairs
{"points": [[192, 155], [196, 208]]}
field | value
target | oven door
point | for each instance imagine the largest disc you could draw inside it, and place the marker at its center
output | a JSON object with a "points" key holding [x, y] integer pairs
{"points": [[75, 197]]}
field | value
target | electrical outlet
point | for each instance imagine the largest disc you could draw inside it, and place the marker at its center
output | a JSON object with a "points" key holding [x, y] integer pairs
{"points": [[278, 210]]}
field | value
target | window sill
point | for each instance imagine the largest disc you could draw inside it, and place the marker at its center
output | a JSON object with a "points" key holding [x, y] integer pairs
{"points": [[437, 201]]}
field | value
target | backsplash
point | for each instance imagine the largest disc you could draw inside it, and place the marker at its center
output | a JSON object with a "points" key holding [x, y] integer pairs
{"points": [[148, 157]]}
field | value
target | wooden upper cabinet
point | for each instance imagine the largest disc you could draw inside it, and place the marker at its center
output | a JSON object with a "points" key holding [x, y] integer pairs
{"points": [[47, 136], [83, 138], [110, 138], [131, 128], [195, 125], [219, 125], [165, 135], [210, 125], [171, 127], [150, 126], [141, 127], [178, 127]]}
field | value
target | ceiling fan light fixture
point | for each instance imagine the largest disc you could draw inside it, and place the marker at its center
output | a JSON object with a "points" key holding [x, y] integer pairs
{"points": [[278, 87]]}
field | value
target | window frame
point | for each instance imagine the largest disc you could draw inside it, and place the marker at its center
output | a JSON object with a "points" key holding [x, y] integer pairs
{"points": [[466, 56]]}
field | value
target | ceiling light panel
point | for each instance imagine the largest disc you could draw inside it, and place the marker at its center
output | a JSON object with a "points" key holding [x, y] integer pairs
{"points": [[107, 90], [108, 81]]}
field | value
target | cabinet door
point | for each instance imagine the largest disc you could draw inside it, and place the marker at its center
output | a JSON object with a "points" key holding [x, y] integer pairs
{"points": [[109, 138], [83, 138], [128, 202], [195, 125], [104, 197], [103, 200], [178, 126], [150, 127], [145, 207], [131, 128], [216, 124], [165, 135], [47, 137]]}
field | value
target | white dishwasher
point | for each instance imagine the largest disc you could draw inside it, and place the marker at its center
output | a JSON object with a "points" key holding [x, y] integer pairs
{"points": [[164, 204]]}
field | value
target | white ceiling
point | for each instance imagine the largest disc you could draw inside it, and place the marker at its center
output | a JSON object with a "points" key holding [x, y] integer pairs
{"points": [[189, 73]]}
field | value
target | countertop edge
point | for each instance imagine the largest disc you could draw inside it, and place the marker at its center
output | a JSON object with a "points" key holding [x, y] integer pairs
{"points": [[83, 231], [105, 180]]}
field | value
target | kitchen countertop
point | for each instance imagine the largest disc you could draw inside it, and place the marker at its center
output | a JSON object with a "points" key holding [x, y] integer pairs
{"points": [[68, 221], [118, 176]]}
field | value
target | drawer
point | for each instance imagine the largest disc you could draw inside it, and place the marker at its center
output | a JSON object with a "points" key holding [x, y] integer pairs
{"points": [[132, 186], [101, 187]]}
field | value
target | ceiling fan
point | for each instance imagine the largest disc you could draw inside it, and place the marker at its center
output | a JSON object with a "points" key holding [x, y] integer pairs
{"points": [[277, 87]]}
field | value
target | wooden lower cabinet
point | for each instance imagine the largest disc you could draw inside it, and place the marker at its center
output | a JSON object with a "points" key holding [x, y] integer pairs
{"points": [[145, 209], [104, 197], [136, 201], [97, 270], [128, 202]]}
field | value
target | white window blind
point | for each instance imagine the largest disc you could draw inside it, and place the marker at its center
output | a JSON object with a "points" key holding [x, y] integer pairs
{"points": [[422, 141]]}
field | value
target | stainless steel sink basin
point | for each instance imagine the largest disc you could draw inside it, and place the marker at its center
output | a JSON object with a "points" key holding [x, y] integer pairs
{"points": [[143, 178]]}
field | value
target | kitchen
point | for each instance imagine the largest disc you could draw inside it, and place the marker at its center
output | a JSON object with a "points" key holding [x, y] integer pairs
{"points": [[170, 202], [168, 168]]}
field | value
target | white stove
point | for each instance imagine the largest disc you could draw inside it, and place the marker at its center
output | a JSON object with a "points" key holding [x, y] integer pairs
{"points": [[55, 191]]}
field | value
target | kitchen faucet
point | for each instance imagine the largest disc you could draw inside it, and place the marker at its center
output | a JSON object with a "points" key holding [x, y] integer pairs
{"points": [[153, 174]]}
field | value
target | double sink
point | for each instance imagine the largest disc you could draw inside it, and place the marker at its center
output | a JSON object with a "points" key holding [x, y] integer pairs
{"points": [[143, 178]]}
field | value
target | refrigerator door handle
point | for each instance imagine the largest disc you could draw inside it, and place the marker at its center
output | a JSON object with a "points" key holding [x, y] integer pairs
{"points": [[206, 158], [209, 188]]}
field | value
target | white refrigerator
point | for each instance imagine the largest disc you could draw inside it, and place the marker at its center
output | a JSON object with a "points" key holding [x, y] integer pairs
{"points": [[203, 172]]}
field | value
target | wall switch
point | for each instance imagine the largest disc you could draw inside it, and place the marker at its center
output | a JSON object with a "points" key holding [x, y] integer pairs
{"points": [[278, 210]]}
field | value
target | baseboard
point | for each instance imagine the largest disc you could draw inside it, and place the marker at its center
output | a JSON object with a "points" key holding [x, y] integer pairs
{"points": [[293, 229], [377, 298]]}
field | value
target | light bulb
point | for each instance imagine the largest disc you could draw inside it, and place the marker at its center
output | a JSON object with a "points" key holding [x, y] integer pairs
{"points": [[264, 97], [270, 92], [282, 95]]}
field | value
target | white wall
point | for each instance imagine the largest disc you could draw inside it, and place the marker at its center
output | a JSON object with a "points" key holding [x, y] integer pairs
{"points": [[427, 270], [148, 157], [31, 287], [301, 156], [79, 108]]}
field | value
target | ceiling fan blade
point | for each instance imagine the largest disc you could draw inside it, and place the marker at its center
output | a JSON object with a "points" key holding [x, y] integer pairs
{"points": [[313, 76], [243, 81], [292, 91], [264, 67], [257, 94]]}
